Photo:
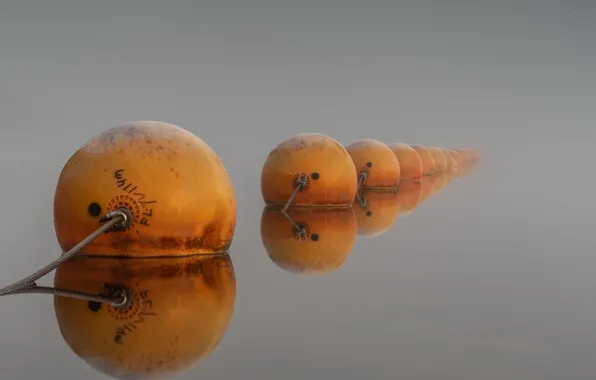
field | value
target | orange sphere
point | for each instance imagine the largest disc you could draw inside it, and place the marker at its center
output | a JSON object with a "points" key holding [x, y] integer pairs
{"points": [[179, 312], [439, 157], [410, 196], [329, 237], [376, 211], [378, 162], [428, 162], [177, 189], [329, 170], [409, 161], [451, 161]]}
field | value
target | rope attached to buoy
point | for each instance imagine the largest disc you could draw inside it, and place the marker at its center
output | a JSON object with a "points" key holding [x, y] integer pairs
{"points": [[116, 220]]}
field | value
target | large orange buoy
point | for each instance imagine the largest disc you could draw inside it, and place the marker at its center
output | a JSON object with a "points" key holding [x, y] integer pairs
{"points": [[428, 162], [376, 211], [439, 158], [179, 310], [410, 196], [315, 241], [451, 161], [409, 161], [177, 189], [377, 166]]}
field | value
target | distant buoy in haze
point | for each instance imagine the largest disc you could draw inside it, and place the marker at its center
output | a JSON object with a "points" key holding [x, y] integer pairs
{"points": [[173, 184], [312, 168], [179, 310], [439, 158], [410, 163], [376, 211], [428, 162], [376, 165], [314, 241], [451, 161]]}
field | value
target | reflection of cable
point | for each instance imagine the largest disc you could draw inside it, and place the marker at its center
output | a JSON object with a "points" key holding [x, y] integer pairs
{"points": [[115, 220], [300, 230], [361, 200]]}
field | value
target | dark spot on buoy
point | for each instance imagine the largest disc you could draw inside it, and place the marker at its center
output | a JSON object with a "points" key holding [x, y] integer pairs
{"points": [[315, 175], [369, 213], [94, 306], [314, 237], [94, 209], [369, 164]]}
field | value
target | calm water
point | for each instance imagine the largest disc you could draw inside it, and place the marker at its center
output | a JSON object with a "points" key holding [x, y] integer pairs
{"points": [[492, 278]]}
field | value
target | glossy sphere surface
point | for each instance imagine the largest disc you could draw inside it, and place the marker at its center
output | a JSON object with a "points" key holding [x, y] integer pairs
{"points": [[330, 170], [378, 162], [176, 187], [428, 162], [180, 310], [376, 211], [410, 162], [331, 234]]}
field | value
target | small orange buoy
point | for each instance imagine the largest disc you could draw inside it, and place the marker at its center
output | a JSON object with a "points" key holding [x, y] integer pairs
{"points": [[178, 311], [410, 195], [439, 157], [451, 161], [176, 188], [428, 162], [314, 167], [313, 241], [377, 166], [376, 211], [409, 160]]}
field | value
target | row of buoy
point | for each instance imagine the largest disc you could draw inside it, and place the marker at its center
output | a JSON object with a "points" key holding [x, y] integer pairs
{"points": [[314, 170], [173, 258]]}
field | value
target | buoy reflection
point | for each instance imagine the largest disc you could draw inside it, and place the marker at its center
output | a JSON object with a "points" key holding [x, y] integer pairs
{"points": [[376, 211], [311, 240], [178, 313]]}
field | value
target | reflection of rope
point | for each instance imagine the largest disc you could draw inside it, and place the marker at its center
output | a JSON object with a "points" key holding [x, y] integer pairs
{"points": [[115, 220], [361, 200]]}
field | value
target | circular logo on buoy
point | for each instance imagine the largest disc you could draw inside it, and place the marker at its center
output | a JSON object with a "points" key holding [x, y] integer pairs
{"points": [[130, 203]]}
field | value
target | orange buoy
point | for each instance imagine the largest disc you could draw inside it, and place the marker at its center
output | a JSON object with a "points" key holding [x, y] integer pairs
{"points": [[427, 188], [321, 243], [439, 157], [463, 162], [178, 192], [409, 161], [376, 165], [410, 196], [376, 211], [315, 167], [451, 161], [428, 162], [178, 313]]}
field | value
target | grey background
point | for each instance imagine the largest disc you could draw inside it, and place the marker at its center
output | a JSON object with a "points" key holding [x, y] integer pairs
{"points": [[491, 279]]}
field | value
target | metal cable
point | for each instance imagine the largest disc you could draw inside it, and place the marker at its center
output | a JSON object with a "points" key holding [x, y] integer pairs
{"points": [[115, 219]]}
